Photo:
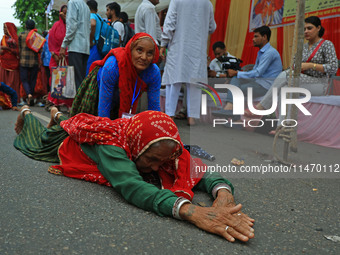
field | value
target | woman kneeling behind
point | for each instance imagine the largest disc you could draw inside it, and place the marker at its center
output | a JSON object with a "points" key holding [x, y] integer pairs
{"points": [[114, 84], [119, 152]]}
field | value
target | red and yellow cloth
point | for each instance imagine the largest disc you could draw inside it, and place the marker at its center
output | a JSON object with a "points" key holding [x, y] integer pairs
{"points": [[134, 136], [9, 59]]}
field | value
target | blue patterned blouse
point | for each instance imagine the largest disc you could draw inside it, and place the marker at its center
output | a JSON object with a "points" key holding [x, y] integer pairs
{"points": [[108, 77]]}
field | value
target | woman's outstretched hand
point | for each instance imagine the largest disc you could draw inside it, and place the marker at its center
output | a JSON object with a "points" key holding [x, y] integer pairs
{"points": [[226, 221], [226, 199]]}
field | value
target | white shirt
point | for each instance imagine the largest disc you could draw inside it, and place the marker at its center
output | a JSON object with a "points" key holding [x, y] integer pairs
{"points": [[119, 26], [78, 27], [147, 20], [216, 65], [187, 26]]}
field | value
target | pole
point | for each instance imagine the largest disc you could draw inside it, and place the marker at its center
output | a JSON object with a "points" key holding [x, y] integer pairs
{"points": [[289, 133], [299, 25], [46, 20]]}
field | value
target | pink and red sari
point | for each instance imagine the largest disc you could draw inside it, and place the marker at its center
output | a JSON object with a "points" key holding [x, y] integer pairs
{"points": [[9, 58], [55, 39]]}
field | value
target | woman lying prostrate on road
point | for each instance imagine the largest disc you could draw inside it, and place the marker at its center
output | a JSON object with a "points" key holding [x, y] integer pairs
{"points": [[119, 152]]}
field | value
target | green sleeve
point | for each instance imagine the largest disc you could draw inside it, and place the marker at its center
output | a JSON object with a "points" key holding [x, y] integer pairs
{"points": [[209, 180], [123, 175]]}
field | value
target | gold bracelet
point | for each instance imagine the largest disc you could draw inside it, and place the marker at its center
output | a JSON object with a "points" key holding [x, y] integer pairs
{"points": [[314, 67]]}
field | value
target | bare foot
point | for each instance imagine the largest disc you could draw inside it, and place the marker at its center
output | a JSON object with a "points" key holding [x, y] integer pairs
{"points": [[30, 100], [228, 106], [54, 110], [20, 121], [191, 121]]}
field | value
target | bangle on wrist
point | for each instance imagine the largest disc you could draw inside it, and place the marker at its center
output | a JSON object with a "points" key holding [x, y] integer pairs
{"points": [[177, 206], [55, 116], [314, 67], [220, 186]]}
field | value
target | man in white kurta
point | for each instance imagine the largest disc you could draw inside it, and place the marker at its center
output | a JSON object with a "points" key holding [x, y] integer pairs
{"points": [[147, 20], [187, 26]]}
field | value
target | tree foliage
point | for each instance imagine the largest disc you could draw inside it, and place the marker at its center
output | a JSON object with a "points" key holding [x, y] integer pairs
{"points": [[35, 10]]}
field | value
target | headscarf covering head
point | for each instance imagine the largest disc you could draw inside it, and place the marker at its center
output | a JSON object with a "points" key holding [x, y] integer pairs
{"points": [[149, 127], [12, 30], [134, 135], [61, 11], [9, 58]]}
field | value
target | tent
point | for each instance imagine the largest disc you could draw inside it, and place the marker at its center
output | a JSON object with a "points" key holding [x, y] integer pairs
{"points": [[232, 19], [128, 6]]}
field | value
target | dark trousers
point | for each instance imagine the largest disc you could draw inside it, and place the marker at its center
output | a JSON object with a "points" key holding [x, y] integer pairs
{"points": [[48, 75], [28, 76], [79, 61]]}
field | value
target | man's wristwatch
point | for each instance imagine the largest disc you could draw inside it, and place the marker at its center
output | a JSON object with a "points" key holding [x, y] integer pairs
{"points": [[218, 75]]}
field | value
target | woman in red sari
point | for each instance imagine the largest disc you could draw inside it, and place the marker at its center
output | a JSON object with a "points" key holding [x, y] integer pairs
{"points": [[55, 39], [9, 57], [121, 153]]}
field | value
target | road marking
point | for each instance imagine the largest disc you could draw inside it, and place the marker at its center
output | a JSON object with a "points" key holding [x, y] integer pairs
{"points": [[40, 116]]}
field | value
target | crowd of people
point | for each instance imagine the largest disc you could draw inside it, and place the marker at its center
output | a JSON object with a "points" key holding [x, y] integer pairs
{"points": [[106, 141]]}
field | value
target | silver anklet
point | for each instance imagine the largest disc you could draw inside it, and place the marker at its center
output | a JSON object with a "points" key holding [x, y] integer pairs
{"points": [[55, 116], [24, 110]]}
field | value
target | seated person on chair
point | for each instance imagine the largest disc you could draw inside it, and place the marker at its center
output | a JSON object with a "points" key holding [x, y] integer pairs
{"points": [[267, 67], [319, 62], [216, 65]]}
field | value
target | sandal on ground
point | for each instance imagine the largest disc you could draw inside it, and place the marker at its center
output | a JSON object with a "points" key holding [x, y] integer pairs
{"points": [[180, 116]]}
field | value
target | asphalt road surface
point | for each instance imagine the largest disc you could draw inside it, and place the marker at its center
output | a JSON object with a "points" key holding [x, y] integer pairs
{"points": [[295, 213]]}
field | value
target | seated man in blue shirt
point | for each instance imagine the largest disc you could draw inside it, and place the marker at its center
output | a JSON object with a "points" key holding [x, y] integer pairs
{"points": [[267, 67]]}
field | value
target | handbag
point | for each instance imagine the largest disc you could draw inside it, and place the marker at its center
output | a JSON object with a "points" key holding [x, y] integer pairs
{"points": [[35, 41], [62, 82]]}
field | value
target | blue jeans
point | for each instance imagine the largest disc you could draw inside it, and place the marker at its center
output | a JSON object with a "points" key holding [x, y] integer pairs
{"points": [[244, 84]]}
